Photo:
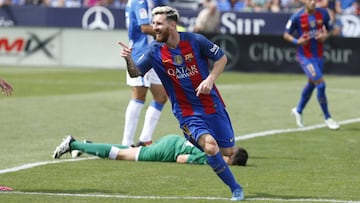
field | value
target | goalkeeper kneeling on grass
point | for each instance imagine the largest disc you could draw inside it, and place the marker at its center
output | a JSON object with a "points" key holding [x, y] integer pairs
{"points": [[169, 148]]}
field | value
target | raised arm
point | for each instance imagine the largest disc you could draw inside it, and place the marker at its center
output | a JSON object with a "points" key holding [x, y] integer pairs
{"points": [[130, 65]]}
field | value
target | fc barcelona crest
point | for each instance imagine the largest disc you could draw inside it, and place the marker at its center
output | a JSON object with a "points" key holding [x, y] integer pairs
{"points": [[178, 59], [312, 23], [188, 57]]}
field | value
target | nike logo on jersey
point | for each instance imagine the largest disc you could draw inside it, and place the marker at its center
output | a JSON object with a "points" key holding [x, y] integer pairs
{"points": [[166, 60]]}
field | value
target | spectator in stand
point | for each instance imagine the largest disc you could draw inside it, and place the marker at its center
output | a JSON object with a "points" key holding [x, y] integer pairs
{"points": [[55, 3], [205, 3], [90, 3], [64, 3], [345, 6], [292, 5], [17, 2], [337, 24], [239, 5], [208, 20], [5, 2], [330, 6], [119, 4], [275, 6], [224, 5], [35, 2], [105, 3], [285, 5], [234, 5], [73, 3], [260, 5]]}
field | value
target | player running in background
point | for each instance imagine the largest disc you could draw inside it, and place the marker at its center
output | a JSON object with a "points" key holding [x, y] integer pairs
{"points": [[169, 148], [308, 29], [181, 61], [6, 88], [140, 33]]}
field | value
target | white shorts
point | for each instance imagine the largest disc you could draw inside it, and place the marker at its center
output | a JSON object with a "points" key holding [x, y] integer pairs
{"points": [[149, 78]]}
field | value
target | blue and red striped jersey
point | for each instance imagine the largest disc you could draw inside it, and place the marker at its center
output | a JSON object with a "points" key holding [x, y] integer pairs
{"points": [[182, 69], [302, 23]]}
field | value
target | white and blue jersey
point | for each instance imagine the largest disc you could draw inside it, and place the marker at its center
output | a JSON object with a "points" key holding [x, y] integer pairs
{"points": [[137, 13]]}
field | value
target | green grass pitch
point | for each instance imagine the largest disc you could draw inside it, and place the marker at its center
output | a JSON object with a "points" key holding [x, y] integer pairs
{"points": [[317, 165]]}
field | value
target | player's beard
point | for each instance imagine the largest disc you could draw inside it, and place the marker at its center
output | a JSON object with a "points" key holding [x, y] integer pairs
{"points": [[162, 36]]}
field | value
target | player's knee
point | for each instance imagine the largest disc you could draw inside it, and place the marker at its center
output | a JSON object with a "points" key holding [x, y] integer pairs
{"points": [[161, 99], [321, 86], [139, 93], [211, 148]]}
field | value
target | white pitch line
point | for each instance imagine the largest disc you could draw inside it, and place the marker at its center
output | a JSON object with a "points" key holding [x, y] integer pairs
{"points": [[243, 137], [32, 165], [280, 131], [177, 198]]}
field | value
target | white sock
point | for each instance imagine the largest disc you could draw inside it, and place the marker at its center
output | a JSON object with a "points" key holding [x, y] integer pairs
{"points": [[113, 153], [152, 117], [131, 121]]}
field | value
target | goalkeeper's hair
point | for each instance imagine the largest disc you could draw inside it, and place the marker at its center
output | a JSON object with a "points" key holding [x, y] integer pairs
{"points": [[240, 157]]}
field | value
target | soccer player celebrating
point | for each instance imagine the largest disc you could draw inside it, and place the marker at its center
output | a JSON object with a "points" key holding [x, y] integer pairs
{"points": [[308, 29], [181, 61]]}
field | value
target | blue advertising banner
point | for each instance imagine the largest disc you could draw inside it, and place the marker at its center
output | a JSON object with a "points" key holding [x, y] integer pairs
{"points": [[272, 54], [104, 18], [22, 16], [88, 18], [244, 23]]}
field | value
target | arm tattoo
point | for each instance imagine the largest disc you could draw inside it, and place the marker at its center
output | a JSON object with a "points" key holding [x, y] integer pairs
{"points": [[132, 69]]}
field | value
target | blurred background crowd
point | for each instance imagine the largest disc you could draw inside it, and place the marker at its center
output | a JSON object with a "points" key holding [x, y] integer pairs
{"points": [[209, 11], [336, 6]]}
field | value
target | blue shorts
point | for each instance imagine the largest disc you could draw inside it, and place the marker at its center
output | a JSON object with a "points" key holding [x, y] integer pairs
{"points": [[217, 125], [313, 67]]}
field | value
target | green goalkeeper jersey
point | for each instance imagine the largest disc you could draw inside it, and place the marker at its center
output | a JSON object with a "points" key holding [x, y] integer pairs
{"points": [[167, 149]]}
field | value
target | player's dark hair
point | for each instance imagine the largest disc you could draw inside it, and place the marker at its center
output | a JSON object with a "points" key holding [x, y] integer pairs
{"points": [[240, 157]]}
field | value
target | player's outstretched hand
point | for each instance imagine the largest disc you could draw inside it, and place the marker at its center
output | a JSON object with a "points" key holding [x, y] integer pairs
{"points": [[125, 51], [6, 88]]}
